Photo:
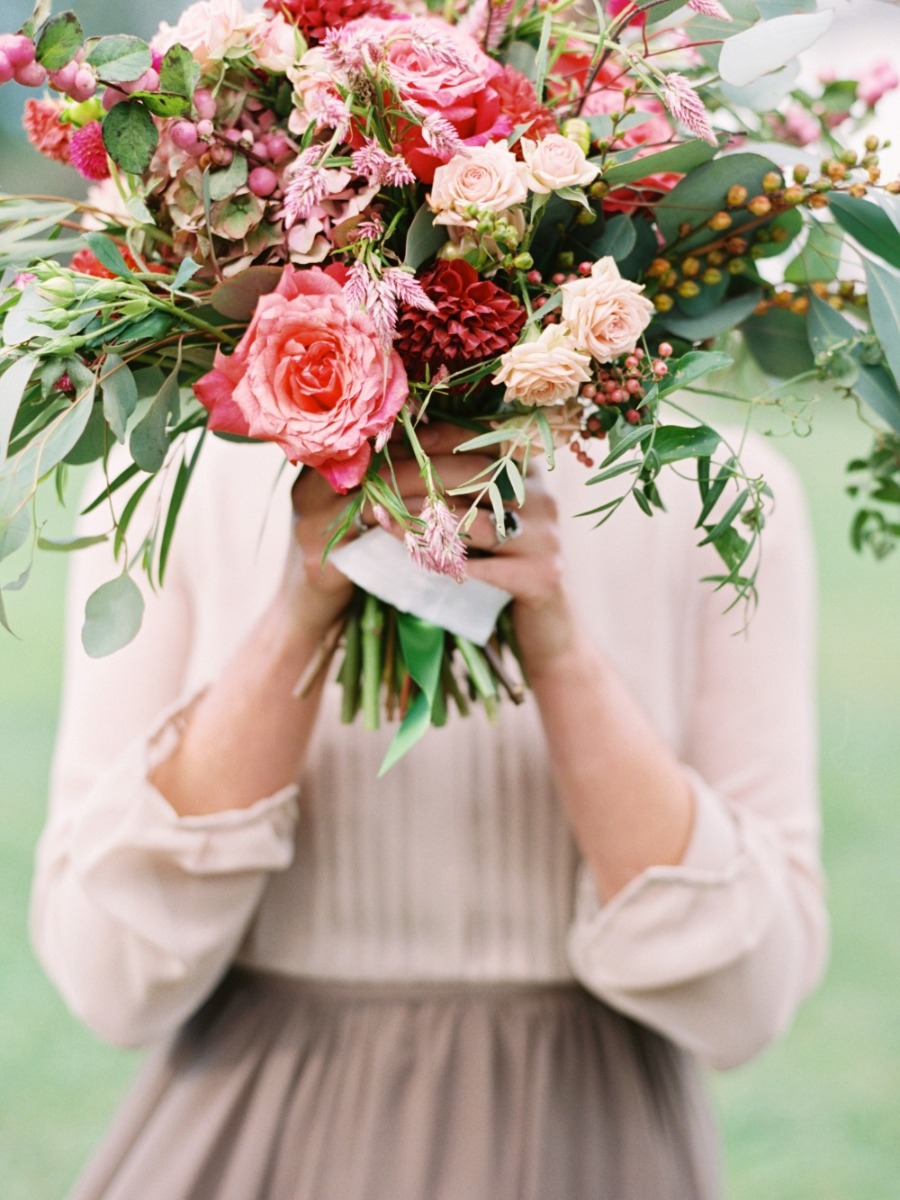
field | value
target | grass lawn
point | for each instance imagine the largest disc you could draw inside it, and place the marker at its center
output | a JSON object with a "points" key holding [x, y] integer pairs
{"points": [[816, 1118]]}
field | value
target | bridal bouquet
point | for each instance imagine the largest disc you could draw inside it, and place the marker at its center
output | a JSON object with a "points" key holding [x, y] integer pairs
{"points": [[323, 223]]}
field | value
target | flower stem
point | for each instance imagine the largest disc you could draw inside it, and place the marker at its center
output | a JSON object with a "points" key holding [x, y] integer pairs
{"points": [[372, 624]]}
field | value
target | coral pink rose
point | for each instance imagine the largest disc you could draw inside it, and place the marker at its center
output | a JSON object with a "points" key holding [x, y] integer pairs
{"points": [[309, 374], [454, 84]]}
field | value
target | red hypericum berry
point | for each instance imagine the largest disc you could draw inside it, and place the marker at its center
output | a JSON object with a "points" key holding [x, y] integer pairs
{"points": [[659, 368], [632, 361], [584, 268], [534, 277], [632, 416], [632, 386], [262, 182], [559, 278], [665, 350]]}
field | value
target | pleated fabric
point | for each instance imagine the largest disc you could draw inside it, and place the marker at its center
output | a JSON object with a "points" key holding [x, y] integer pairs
{"points": [[288, 1089]]}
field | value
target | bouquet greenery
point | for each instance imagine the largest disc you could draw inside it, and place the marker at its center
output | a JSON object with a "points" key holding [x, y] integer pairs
{"points": [[323, 224]]}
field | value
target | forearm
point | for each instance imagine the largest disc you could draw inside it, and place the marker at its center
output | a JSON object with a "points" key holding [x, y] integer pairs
{"points": [[626, 796], [247, 736]]}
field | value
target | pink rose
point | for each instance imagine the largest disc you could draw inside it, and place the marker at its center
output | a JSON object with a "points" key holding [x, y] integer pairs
{"points": [[454, 85], [309, 374], [489, 177], [605, 313], [556, 162]]}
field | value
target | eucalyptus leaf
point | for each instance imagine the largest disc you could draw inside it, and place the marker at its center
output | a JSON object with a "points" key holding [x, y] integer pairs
{"points": [[702, 193], [766, 93], [617, 239], [778, 341], [225, 182], [119, 59], [236, 298], [150, 439], [868, 224], [13, 383], [120, 394], [873, 384], [109, 254], [681, 158], [723, 317], [819, 259], [130, 136], [187, 269], [423, 238], [112, 617], [769, 45], [50, 446], [691, 366], [59, 41], [72, 543], [884, 309]]}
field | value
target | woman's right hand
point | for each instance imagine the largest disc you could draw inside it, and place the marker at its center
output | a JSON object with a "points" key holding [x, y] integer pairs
{"points": [[315, 592]]}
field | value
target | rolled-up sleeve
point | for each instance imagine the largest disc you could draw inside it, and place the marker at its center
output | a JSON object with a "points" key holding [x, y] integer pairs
{"points": [[137, 911], [718, 951]]}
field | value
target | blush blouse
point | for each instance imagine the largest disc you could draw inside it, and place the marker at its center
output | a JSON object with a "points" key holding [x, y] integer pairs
{"points": [[458, 864]]}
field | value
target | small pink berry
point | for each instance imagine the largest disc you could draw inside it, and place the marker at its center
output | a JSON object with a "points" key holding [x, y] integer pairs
{"points": [[148, 82], [588, 391], [631, 362], [266, 120], [638, 353], [632, 386], [665, 350], [184, 136], [204, 104], [559, 278], [17, 48], [6, 68], [618, 396], [32, 75], [260, 150], [111, 97], [221, 155], [584, 268], [205, 128], [610, 386], [659, 368], [64, 78], [632, 417], [533, 277], [278, 146], [262, 182], [84, 86]]}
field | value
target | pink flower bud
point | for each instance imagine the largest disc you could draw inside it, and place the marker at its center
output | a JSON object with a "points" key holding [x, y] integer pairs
{"points": [[6, 68], [17, 48], [32, 75], [156, 60], [262, 182], [204, 104]]}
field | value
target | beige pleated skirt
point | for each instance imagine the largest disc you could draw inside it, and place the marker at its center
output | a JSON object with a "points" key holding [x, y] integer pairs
{"points": [[286, 1089]]}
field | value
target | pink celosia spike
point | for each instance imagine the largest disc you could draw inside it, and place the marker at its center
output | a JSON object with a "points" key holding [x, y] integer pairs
{"points": [[686, 107]]}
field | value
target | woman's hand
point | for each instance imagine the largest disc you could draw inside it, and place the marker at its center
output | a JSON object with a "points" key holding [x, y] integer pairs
{"points": [[529, 565]]}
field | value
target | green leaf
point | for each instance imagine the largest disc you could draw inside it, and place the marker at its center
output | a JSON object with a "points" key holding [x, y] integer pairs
{"points": [[676, 442], [422, 648], [716, 531], [702, 193], [59, 41], [187, 269], [819, 259], [543, 55], [164, 104], [13, 382], [682, 158], [884, 309], [869, 224], [72, 543], [626, 441], [225, 183], [93, 443], [769, 45], [40, 14], [693, 365], [130, 136], [714, 490], [112, 617], [179, 491], [236, 298], [150, 438], [423, 238], [50, 446], [120, 394], [119, 59], [109, 254], [779, 342], [873, 385], [617, 239], [180, 72], [725, 316]]}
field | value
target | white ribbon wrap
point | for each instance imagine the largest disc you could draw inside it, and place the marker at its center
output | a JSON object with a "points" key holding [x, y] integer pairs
{"points": [[380, 564]]}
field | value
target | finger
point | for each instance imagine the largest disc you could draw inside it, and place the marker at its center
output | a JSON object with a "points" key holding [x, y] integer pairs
{"points": [[452, 471], [443, 437]]}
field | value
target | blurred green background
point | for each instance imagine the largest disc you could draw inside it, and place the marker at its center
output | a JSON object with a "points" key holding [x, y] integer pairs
{"points": [[815, 1118]]}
